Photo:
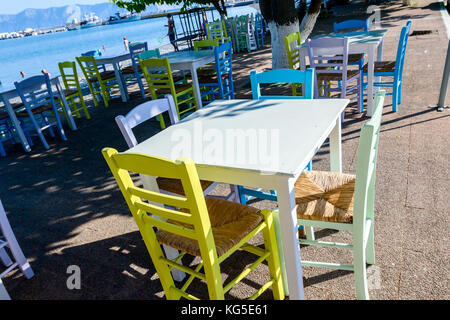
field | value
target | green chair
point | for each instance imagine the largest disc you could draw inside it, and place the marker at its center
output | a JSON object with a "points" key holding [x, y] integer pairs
{"points": [[158, 74], [339, 201], [98, 82], [211, 229], [72, 89]]}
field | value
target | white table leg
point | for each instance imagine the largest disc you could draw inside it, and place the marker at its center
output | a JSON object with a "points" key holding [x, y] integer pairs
{"points": [[370, 77], [289, 236], [197, 93], [3, 293], [66, 105], [379, 58], [336, 147], [119, 78], [150, 183], [16, 124]]}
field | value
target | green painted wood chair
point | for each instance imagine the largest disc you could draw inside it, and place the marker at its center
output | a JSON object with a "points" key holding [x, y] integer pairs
{"points": [[158, 74], [102, 83], [72, 89], [210, 228], [339, 201], [243, 33], [291, 43], [217, 30]]}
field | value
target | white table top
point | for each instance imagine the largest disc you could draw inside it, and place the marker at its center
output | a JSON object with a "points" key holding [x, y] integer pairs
{"points": [[373, 36], [187, 56], [295, 129]]}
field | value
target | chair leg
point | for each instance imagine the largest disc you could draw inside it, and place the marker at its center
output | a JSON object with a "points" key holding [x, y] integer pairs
{"points": [[242, 197], [83, 106], [370, 246], [3, 293], [276, 220], [394, 97], [270, 244], [4, 257], [2, 150], [310, 233], [359, 262], [360, 94], [14, 245]]}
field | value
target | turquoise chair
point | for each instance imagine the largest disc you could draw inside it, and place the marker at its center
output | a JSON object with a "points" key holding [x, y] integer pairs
{"points": [[276, 76], [349, 205], [392, 69]]}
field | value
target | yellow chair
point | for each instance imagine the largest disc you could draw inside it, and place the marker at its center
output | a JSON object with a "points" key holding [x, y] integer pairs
{"points": [[72, 89], [160, 81], [291, 42], [209, 228], [98, 82]]}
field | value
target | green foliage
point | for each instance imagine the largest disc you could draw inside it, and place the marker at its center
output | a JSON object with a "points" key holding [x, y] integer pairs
{"points": [[139, 5]]}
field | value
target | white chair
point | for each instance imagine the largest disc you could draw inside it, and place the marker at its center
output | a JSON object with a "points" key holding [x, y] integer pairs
{"points": [[19, 258], [146, 111], [3, 293]]}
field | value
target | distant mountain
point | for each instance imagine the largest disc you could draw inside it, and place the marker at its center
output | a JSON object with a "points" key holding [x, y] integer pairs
{"points": [[60, 16]]}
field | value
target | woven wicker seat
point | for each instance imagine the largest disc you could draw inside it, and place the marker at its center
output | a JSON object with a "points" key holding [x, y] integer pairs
{"points": [[212, 78], [381, 66], [325, 196], [175, 186], [106, 75], [37, 110], [230, 222], [336, 76], [130, 70], [354, 57], [178, 88], [68, 93]]}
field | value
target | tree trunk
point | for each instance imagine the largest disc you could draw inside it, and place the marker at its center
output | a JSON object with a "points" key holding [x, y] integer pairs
{"points": [[282, 20], [309, 20]]}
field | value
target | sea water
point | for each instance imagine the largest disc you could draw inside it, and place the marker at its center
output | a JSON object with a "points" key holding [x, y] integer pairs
{"points": [[33, 54]]}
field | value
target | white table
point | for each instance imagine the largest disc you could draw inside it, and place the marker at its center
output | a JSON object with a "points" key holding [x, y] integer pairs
{"points": [[191, 60], [296, 129], [359, 42], [115, 61], [8, 92]]}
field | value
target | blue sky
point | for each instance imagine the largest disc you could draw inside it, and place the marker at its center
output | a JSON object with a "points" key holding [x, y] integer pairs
{"points": [[12, 7]]}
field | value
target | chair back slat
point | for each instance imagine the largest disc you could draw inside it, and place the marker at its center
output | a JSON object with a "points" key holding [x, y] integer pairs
{"points": [[89, 67], [68, 71], [401, 49], [206, 44], [223, 55], [193, 222], [135, 49], [366, 162], [35, 91], [351, 25], [142, 113], [328, 55], [291, 43], [147, 54], [305, 78]]}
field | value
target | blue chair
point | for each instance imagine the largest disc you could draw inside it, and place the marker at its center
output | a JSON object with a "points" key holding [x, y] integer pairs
{"points": [[351, 25], [220, 84], [134, 70], [392, 69], [39, 107], [306, 78], [259, 30], [6, 132]]}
